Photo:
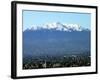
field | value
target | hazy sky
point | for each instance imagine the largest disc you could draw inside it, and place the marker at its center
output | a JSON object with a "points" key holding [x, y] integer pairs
{"points": [[42, 17]]}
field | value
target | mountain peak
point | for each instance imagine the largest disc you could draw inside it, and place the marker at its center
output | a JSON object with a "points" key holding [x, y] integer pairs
{"points": [[58, 26]]}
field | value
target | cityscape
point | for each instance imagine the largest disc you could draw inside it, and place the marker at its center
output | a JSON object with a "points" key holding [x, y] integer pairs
{"points": [[54, 62]]}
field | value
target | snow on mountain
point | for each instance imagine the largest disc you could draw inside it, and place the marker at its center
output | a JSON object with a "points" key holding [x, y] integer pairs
{"points": [[58, 26]]}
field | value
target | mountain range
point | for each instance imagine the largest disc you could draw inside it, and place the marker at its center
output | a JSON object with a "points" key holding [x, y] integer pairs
{"points": [[56, 39], [58, 26]]}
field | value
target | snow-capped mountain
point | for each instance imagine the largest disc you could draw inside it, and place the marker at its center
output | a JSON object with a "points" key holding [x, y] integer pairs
{"points": [[56, 39], [58, 26]]}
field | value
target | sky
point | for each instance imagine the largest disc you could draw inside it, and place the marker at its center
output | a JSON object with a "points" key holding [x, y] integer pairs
{"points": [[31, 18]]}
